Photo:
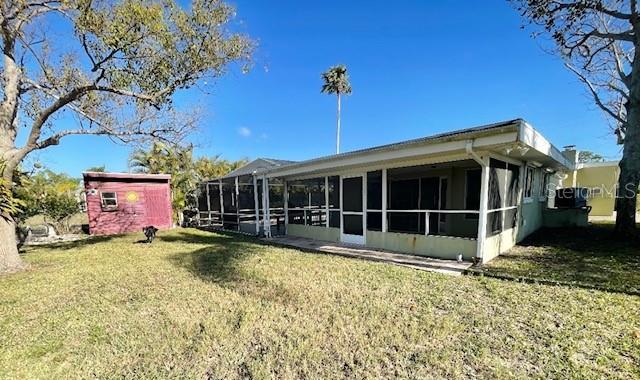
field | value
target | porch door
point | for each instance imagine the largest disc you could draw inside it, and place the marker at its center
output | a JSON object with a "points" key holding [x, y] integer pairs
{"points": [[157, 207], [352, 206]]}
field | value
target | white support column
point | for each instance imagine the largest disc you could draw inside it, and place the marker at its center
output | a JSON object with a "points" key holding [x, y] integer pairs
{"points": [[504, 198], [237, 206], [197, 204], [326, 200], [426, 223], [384, 200], [522, 174], [221, 203], [208, 207], [256, 204], [484, 205], [265, 204], [285, 196]]}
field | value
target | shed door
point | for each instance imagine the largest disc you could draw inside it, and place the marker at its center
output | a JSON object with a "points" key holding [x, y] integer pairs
{"points": [[157, 207]]}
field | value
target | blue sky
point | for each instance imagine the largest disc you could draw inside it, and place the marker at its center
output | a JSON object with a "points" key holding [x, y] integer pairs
{"points": [[417, 68]]}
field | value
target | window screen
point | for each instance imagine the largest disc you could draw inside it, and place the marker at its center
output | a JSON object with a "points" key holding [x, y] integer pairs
{"points": [[528, 182]]}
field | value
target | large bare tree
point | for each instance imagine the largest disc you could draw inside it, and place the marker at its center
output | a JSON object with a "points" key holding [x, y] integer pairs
{"points": [[598, 40], [102, 67]]}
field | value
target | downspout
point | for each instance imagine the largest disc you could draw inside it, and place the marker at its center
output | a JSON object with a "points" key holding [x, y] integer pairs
{"points": [[484, 199]]}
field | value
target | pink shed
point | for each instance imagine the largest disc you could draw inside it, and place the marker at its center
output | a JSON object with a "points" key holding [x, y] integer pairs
{"points": [[124, 202]]}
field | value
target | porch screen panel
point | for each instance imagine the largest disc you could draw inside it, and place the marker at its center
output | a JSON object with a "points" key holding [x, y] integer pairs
{"points": [[472, 191], [334, 201], [230, 204], [246, 204], [404, 195], [276, 206], [430, 200], [307, 202], [374, 201], [202, 197], [513, 184], [214, 197], [503, 196]]}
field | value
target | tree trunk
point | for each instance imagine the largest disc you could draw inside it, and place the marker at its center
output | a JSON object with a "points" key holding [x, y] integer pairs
{"points": [[628, 183], [338, 127], [630, 162], [10, 260]]}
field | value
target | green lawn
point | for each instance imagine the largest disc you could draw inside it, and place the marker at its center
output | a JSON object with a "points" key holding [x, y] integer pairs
{"points": [[589, 257], [201, 305]]}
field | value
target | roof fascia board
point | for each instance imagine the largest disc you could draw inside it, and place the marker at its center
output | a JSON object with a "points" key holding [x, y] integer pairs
{"points": [[374, 166], [534, 139], [397, 153]]}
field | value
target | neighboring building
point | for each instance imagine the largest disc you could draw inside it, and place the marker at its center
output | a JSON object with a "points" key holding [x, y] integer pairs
{"points": [[474, 192], [601, 180], [123, 202]]}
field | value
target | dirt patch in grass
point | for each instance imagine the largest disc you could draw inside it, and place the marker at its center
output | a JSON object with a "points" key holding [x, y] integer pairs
{"points": [[588, 257], [203, 305]]}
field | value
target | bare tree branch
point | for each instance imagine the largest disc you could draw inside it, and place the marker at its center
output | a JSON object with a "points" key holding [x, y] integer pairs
{"points": [[594, 93]]}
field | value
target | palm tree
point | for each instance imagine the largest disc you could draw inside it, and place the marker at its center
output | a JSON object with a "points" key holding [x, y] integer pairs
{"points": [[164, 159], [336, 81]]}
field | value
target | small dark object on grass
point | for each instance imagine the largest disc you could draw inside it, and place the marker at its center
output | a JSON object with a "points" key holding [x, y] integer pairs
{"points": [[150, 233]]}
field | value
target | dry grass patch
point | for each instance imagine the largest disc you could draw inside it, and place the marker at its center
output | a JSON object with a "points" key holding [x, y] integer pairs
{"points": [[201, 305], [587, 257]]}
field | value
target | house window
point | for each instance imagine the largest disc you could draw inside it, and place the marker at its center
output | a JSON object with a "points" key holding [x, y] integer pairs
{"points": [[109, 200], [528, 182], [545, 184]]}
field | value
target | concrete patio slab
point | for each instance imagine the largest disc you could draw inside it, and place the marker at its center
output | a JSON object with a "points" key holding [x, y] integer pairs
{"points": [[450, 267]]}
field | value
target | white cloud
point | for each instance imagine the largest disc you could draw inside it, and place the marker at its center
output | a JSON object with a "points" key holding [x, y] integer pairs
{"points": [[244, 131]]}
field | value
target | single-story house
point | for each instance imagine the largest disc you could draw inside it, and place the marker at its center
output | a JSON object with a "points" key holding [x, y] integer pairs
{"points": [[474, 192], [124, 202]]}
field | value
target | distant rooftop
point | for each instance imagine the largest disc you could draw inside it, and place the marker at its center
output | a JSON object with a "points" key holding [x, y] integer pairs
{"points": [[257, 165]]}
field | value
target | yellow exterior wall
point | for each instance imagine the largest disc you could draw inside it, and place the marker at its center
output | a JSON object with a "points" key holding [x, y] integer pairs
{"points": [[605, 178], [434, 246]]}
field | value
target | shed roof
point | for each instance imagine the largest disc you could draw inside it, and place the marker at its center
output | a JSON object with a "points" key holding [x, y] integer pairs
{"points": [[139, 176]]}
